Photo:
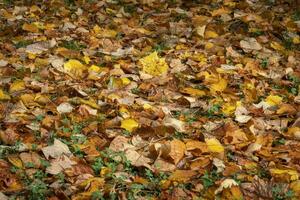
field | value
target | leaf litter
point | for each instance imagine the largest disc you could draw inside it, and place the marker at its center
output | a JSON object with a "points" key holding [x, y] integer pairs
{"points": [[149, 99]]}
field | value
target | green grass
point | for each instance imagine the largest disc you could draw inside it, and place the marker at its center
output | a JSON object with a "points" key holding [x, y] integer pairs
{"points": [[73, 45]]}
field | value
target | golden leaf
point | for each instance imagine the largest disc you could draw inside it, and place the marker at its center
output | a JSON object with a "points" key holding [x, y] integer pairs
{"points": [[274, 100], [154, 65], [17, 86], [74, 68], [193, 91], [182, 175], [286, 109], [277, 46], [30, 28], [210, 34], [4, 96], [129, 124], [293, 174], [228, 108], [15, 160], [214, 145], [220, 86], [177, 150]]}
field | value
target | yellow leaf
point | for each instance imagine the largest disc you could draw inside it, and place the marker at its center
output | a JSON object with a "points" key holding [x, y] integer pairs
{"points": [[295, 186], [94, 68], [277, 46], [274, 100], [154, 65], [228, 108], [129, 124], [30, 28], [219, 86], [210, 34], [125, 81], [124, 112], [74, 68], [177, 150], [3, 96], [104, 32], [293, 174], [31, 56], [294, 132], [214, 145], [182, 175], [193, 91], [220, 11], [16, 161], [90, 102], [86, 59], [199, 57], [296, 40], [17, 86], [147, 106], [209, 45]]}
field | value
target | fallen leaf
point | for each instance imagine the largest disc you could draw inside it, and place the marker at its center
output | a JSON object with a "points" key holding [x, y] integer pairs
{"points": [[227, 183], [293, 174], [37, 48], [137, 159], [193, 92], [59, 164], [273, 100], [64, 108], [182, 175], [74, 68], [250, 44], [4, 96], [30, 28], [17, 85], [56, 150], [154, 65], [129, 124], [177, 150], [177, 124], [214, 145]]}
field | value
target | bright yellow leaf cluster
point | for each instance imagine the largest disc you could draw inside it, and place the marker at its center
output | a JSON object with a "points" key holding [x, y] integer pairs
{"points": [[154, 65]]}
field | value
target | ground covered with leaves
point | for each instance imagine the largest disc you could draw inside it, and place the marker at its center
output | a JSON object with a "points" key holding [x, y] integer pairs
{"points": [[128, 99]]}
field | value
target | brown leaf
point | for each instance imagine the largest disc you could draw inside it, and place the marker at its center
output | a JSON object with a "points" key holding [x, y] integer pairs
{"points": [[177, 150]]}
